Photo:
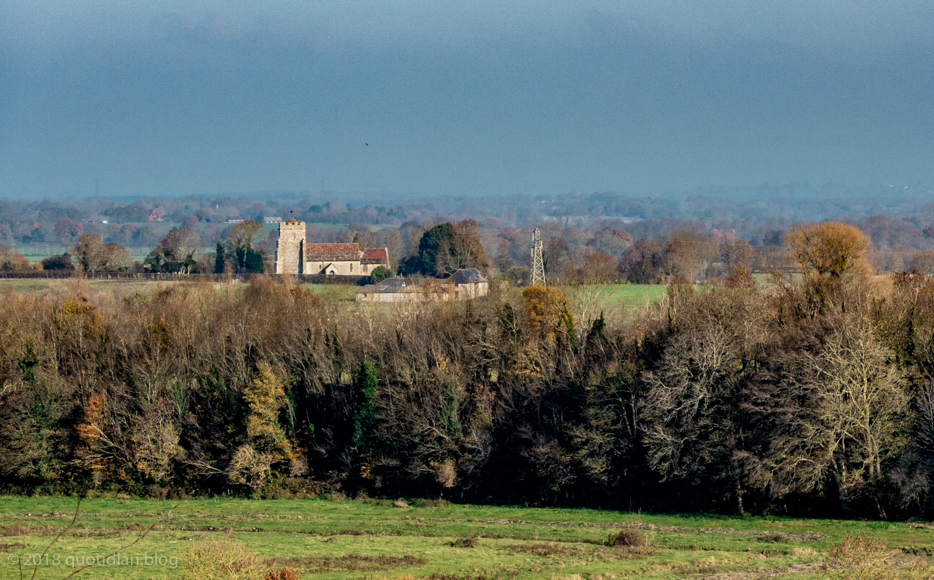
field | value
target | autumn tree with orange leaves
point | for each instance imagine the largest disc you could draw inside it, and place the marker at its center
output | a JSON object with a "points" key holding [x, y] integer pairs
{"points": [[829, 249]]}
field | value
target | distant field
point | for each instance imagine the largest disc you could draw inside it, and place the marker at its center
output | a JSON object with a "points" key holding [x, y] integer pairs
{"points": [[120, 287], [128, 287], [39, 252], [368, 539], [625, 295], [636, 295], [342, 292]]}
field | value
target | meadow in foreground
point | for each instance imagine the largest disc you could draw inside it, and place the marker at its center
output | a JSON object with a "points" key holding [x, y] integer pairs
{"points": [[331, 539]]}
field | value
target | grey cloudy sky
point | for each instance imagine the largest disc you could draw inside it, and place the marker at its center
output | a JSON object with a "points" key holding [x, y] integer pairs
{"points": [[485, 97]]}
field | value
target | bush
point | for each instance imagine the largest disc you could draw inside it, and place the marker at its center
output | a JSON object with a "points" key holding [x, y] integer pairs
{"points": [[282, 574], [380, 273], [62, 262], [859, 558], [629, 539], [468, 542], [223, 560]]}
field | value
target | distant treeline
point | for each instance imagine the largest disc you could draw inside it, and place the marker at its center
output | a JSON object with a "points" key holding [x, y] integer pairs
{"points": [[215, 278], [814, 396], [600, 236]]}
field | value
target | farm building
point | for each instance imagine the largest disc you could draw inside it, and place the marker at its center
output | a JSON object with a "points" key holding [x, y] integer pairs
{"points": [[462, 285], [295, 256]]}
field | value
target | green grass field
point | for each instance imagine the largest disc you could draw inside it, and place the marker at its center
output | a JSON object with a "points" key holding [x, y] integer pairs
{"points": [[39, 252], [635, 295], [367, 539]]}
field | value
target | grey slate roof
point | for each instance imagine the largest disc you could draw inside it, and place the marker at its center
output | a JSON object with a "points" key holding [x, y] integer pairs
{"points": [[387, 286], [467, 276]]}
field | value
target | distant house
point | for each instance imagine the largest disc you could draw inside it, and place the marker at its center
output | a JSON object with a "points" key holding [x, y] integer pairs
{"points": [[154, 217], [236, 220], [272, 219], [469, 283], [462, 285], [295, 256]]}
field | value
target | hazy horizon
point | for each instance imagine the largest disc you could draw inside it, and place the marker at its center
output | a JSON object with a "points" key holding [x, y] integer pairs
{"points": [[209, 98]]}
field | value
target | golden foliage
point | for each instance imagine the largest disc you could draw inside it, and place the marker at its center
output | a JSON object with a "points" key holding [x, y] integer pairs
{"points": [[266, 442], [264, 396], [547, 309], [829, 248]]}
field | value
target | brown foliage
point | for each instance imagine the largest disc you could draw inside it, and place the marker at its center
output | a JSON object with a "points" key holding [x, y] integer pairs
{"points": [[284, 573], [829, 249]]}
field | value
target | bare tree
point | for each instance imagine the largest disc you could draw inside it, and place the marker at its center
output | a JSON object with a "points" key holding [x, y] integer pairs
{"points": [[835, 415]]}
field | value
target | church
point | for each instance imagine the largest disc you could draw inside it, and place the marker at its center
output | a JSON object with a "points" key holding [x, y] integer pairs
{"points": [[296, 256]]}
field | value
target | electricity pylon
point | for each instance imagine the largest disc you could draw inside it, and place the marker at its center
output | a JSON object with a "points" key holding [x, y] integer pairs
{"points": [[538, 264]]}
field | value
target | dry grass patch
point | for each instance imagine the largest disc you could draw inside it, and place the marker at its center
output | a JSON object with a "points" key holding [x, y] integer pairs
{"points": [[863, 558], [222, 560], [582, 550], [13, 546], [346, 563]]}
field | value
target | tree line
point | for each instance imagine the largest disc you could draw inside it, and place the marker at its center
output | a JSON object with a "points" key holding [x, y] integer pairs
{"points": [[812, 395], [583, 233]]}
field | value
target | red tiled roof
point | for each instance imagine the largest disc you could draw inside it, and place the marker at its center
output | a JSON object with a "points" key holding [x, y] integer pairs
{"points": [[374, 256], [293, 221], [331, 252]]}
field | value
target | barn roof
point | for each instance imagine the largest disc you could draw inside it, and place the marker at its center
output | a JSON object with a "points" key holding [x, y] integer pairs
{"points": [[331, 252]]}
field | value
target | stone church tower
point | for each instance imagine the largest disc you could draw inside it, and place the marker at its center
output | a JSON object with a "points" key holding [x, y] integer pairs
{"points": [[290, 252]]}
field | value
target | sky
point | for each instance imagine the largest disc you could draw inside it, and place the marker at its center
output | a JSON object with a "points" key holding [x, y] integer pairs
{"points": [[413, 98]]}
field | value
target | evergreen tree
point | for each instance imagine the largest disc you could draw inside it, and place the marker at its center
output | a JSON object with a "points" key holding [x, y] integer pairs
{"points": [[220, 259], [364, 421]]}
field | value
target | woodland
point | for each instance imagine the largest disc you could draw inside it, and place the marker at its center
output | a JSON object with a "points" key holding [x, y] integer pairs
{"points": [[810, 393]]}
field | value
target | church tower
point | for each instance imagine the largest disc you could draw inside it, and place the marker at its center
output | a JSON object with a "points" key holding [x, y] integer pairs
{"points": [[290, 251]]}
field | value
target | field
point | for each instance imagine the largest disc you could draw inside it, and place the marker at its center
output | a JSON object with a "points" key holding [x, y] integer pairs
{"points": [[635, 295], [39, 252], [608, 296], [331, 539], [122, 288]]}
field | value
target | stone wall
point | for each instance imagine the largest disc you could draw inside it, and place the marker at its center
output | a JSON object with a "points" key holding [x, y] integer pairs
{"points": [[289, 258]]}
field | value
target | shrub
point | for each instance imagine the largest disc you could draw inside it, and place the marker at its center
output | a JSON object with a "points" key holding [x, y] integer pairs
{"points": [[772, 537], [859, 558], [380, 273], [468, 542], [222, 560], [62, 262], [282, 574], [630, 539]]}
